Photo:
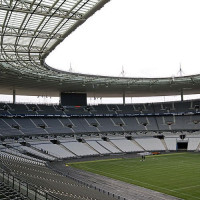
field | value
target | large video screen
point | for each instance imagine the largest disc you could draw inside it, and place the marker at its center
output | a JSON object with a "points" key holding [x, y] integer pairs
{"points": [[74, 99]]}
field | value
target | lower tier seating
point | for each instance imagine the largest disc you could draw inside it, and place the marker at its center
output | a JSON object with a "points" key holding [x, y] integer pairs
{"points": [[7, 193]]}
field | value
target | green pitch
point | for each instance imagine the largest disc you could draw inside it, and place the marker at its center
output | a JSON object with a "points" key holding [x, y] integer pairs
{"points": [[175, 174]]}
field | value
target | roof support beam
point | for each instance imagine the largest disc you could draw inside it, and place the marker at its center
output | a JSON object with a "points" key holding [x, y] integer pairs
{"points": [[124, 98], [24, 7], [15, 32], [14, 96], [12, 48], [14, 57], [182, 95]]}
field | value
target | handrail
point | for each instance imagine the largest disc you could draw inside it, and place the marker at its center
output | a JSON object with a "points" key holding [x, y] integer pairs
{"points": [[26, 189]]}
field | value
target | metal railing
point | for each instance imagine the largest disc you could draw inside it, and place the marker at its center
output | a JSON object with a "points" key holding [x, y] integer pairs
{"points": [[27, 190]]}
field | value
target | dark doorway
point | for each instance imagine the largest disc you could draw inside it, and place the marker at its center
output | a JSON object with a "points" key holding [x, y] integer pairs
{"points": [[182, 146]]}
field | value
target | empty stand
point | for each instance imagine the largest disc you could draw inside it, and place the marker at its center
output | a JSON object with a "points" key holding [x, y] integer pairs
{"points": [[126, 145], [193, 144], [171, 143], [106, 124], [109, 146], [99, 148], [102, 119], [7, 192], [48, 110], [52, 149], [150, 144], [79, 149]]}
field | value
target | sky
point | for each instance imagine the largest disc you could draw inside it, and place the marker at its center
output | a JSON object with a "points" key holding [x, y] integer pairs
{"points": [[145, 38]]}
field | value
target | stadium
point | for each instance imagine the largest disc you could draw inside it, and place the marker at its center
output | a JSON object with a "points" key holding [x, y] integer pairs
{"points": [[73, 150]]}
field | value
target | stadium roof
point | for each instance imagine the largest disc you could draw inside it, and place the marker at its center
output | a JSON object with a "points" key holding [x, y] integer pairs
{"points": [[31, 29]]}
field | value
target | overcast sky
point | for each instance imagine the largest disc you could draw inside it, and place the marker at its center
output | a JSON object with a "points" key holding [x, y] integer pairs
{"points": [[148, 38]]}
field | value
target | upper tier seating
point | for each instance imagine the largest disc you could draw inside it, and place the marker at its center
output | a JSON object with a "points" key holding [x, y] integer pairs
{"points": [[164, 107], [48, 110]]}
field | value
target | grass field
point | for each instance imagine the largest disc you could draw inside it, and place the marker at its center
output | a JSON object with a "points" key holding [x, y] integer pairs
{"points": [[176, 174]]}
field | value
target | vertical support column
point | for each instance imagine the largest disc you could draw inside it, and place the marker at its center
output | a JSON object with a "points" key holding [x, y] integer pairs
{"points": [[182, 95], [124, 98], [14, 96], [60, 98]]}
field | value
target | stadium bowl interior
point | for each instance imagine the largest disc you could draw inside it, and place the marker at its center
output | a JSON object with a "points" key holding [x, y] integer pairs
{"points": [[40, 143]]}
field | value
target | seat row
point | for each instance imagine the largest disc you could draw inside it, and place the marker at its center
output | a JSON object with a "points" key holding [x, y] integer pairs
{"points": [[165, 107], [7, 193]]}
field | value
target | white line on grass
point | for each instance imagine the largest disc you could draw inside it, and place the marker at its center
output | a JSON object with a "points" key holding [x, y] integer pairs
{"points": [[192, 186]]}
